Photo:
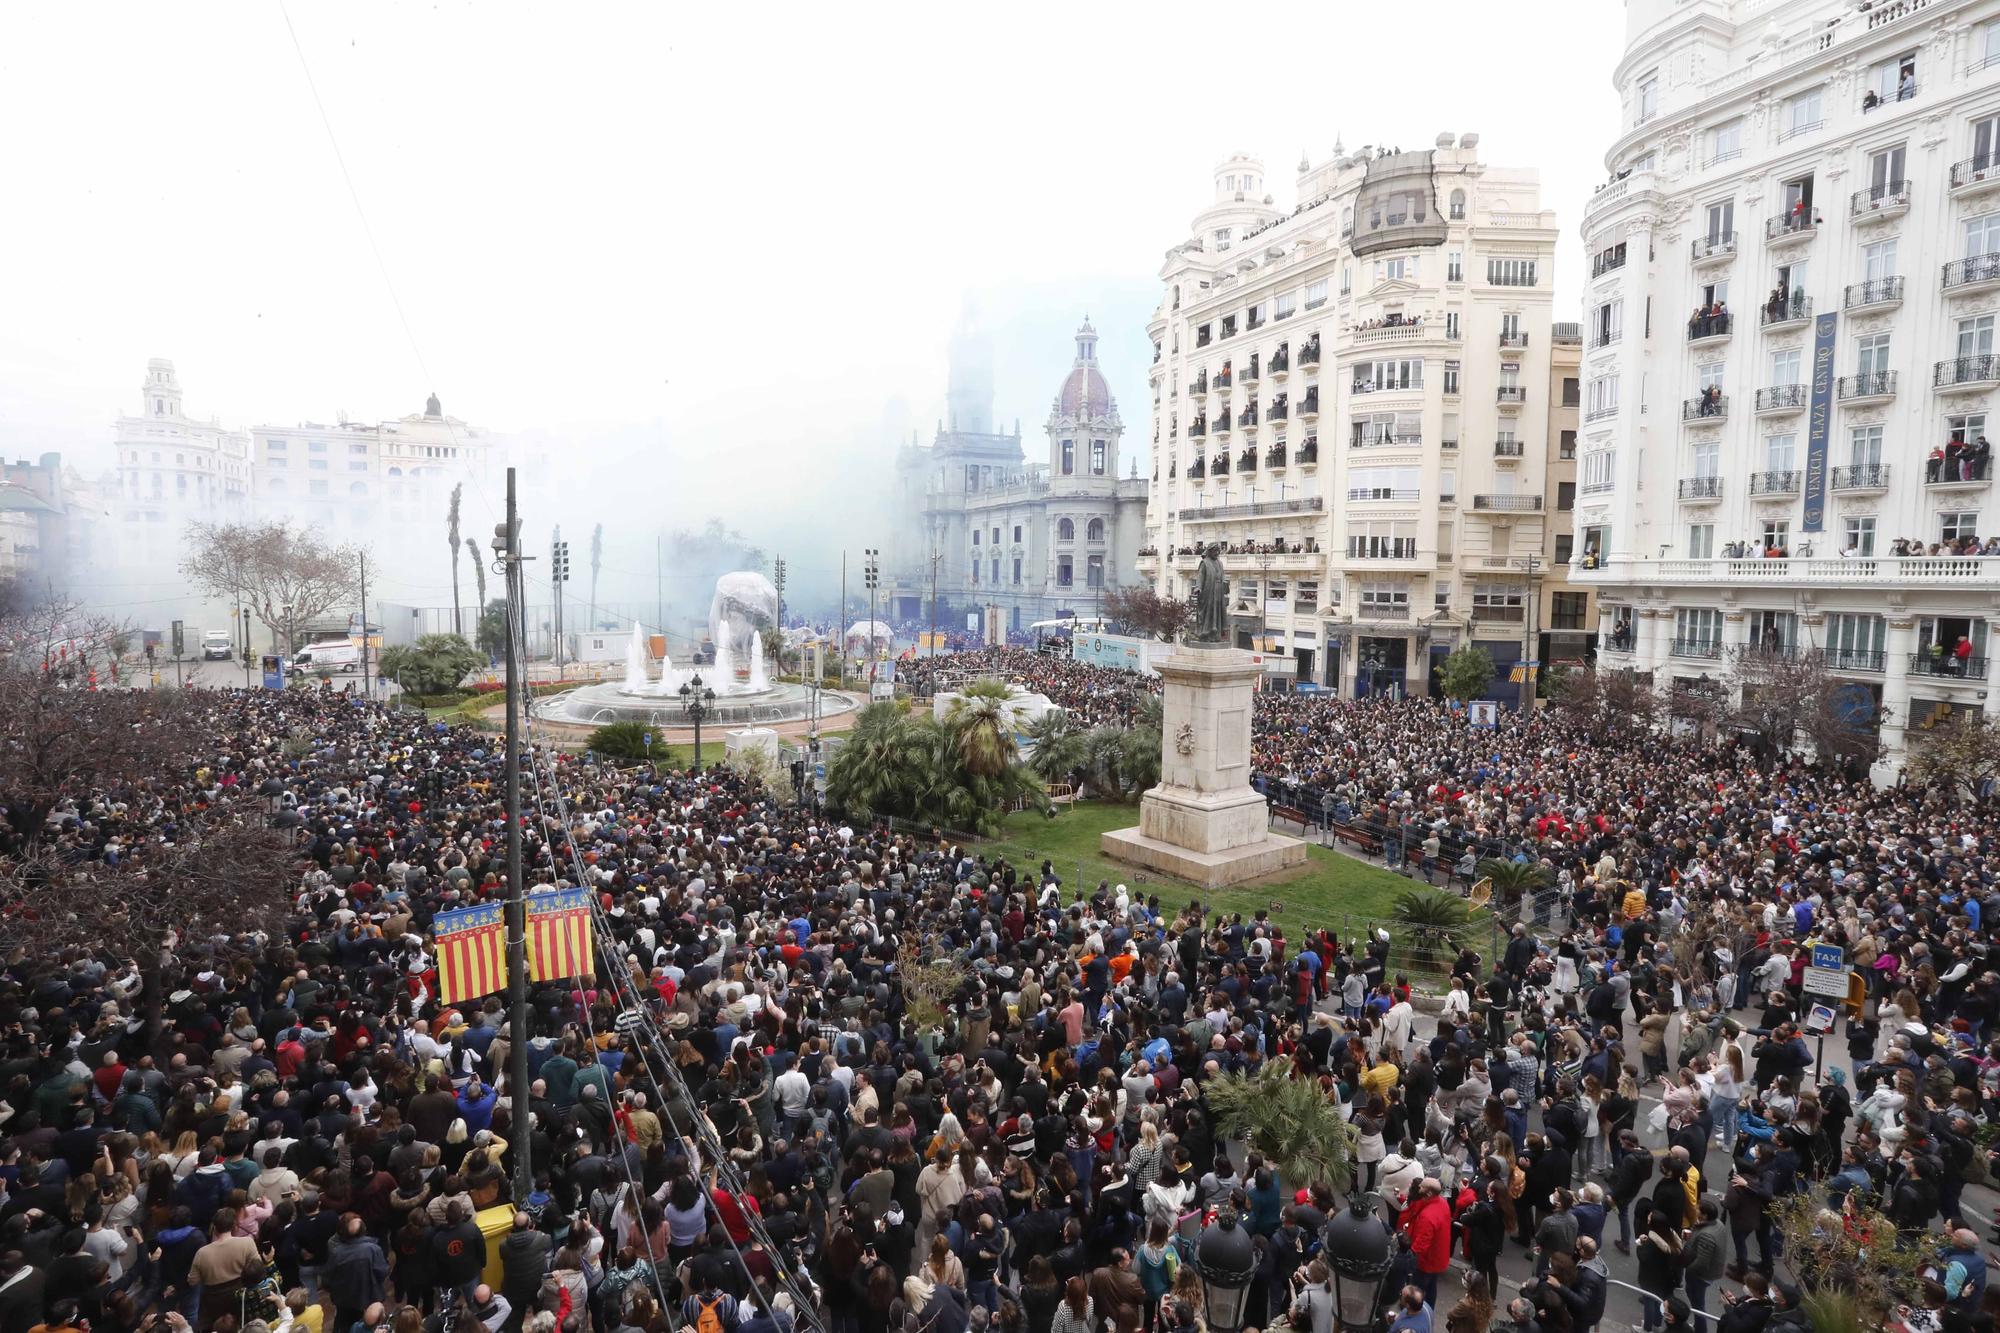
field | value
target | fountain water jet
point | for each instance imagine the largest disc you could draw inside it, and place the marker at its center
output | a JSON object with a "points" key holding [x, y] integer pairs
{"points": [[760, 679], [635, 661]]}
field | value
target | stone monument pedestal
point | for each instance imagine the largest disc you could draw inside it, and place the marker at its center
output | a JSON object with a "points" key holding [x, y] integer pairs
{"points": [[1205, 822]]}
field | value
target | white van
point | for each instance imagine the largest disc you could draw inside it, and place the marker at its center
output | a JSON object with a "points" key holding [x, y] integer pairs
{"points": [[217, 646], [331, 655]]}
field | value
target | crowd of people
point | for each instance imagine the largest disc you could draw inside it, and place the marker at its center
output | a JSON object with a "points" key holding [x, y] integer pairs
{"points": [[739, 1123]]}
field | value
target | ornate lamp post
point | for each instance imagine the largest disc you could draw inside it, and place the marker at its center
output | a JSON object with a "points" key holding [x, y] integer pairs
{"points": [[1358, 1246], [695, 699], [1226, 1259]]}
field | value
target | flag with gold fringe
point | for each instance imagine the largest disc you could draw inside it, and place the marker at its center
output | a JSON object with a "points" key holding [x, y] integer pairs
{"points": [[471, 945], [559, 942]]}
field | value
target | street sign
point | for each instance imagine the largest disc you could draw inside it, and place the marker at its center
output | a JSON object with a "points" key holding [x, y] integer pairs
{"points": [[180, 641], [1820, 1020], [1828, 981], [1830, 956]]}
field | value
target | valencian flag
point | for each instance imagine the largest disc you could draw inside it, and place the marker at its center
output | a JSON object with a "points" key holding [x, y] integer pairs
{"points": [[471, 952], [559, 935]]}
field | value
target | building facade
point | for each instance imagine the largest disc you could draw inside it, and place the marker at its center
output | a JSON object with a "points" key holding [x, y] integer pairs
{"points": [[382, 484], [1794, 281], [1036, 540], [1565, 611], [1351, 399]]}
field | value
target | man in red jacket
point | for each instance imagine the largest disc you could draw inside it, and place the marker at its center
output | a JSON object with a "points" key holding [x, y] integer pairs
{"points": [[1426, 1220]]}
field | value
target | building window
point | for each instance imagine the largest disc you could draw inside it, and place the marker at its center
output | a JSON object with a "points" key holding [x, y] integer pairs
{"points": [[1778, 534], [1565, 547], [1017, 571], [1785, 367], [1568, 610], [1069, 458], [1565, 496], [1803, 114], [1065, 530], [1598, 470], [1603, 395], [1094, 531], [1385, 600], [1316, 294], [1458, 205], [1451, 324], [1510, 272], [1569, 391], [1283, 306], [1698, 630], [1451, 377], [1566, 447], [996, 571], [1502, 599], [1647, 102], [1381, 541], [316, 446], [1780, 451], [1441, 596], [975, 536], [1454, 267], [1701, 541], [1957, 526], [1725, 142], [1065, 573], [1093, 571], [1017, 534], [1975, 336], [1859, 535], [1097, 458]]}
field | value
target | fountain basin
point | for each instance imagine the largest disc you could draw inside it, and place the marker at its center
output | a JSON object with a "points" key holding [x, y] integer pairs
{"points": [[599, 705]]}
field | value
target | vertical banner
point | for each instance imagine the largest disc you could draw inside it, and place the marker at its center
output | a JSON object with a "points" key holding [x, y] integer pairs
{"points": [[471, 945], [559, 935], [1819, 423]]}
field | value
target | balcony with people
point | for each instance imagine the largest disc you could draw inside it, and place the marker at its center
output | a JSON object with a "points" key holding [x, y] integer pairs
{"points": [[1247, 418], [1198, 386], [1246, 461], [1309, 353], [1198, 428], [1308, 453], [1251, 373], [1281, 361], [1219, 465], [1279, 408], [1786, 309], [1795, 226], [1198, 469], [1710, 406], [1709, 323], [1958, 463], [1309, 405], [1276, 456]]}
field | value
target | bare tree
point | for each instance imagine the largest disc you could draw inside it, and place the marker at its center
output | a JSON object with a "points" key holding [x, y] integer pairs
{"points": [[62, 747], [1960, 754], [1140, 610], [1789, 697], [290, 576], [1606, 704], [451, 526]]}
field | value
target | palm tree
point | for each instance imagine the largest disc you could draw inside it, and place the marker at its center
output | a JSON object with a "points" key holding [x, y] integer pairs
{"points": [[1058, 746], [980, 723], [1295, 1127], [451, 526], [1514, 880], [1431, 917]]}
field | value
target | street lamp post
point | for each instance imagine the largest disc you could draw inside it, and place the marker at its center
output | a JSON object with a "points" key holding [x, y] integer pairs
{"points": [[695, 699], [1358, 1247], [1226, 1259], [873, 577]]}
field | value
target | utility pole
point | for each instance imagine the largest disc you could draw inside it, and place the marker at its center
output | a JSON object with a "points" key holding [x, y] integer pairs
{"points": [[1533, 565], [778, 582], [507, 544], [872, 576], [559, 575], [840, 623], [660, 583], [936, 555], [366, 692]]}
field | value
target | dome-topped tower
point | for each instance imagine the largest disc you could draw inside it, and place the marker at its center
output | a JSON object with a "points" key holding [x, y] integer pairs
{"points": [[162, 389], [1085, 396]]}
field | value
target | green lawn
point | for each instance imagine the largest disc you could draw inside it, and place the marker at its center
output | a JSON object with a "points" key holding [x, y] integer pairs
{"points": [[1332, 890]]}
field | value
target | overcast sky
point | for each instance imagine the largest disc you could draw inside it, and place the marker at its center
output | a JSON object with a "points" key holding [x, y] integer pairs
{"points": [[700, 235]]}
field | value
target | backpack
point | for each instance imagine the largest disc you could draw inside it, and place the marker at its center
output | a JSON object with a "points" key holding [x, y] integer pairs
{"points": [[708, 1318], [1156, 1276]]}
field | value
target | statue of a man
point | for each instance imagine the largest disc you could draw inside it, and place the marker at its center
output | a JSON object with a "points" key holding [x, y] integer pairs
{"points": [[1211, 599]]}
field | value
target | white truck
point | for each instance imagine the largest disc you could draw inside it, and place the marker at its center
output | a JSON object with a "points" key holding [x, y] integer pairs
{"points": [[328, 655]]}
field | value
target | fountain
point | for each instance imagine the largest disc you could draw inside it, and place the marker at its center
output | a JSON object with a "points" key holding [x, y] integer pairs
{"points": [[744, 605]]}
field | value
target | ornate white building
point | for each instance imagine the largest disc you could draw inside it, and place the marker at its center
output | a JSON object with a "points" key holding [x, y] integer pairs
{"points": [[1350, 396], [1035, 539], [1794, 287]]}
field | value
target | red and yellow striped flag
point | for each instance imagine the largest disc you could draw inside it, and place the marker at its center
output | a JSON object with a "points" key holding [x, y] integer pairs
{"points": [[471, 947], [559, 937]]}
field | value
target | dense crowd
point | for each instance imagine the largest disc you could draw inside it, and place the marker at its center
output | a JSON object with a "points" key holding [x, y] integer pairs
{"points": [[738, 1123]]}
